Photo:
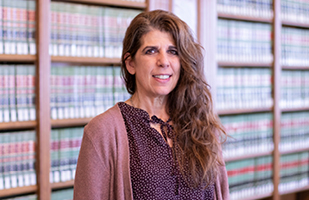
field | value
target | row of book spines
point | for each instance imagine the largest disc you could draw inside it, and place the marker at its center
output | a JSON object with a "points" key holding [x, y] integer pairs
{"points": [[295, 10], [66, 138], [248, 8], [16, 144], [243, 41], [294, 163], [244, 97], [294, 171], [65, 145], [295, 78], [85, 91], [244, 76], [17, 11], [18, 27], [99, 30], [295, 49], [17, 93], [244, 31], [295, 119], [247, 121], [17, 157], [239, 172], [88, 75], [251, 133]]}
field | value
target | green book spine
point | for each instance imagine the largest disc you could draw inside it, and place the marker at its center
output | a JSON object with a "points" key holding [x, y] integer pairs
{"points": [[31, 91], [1, 28], [6, 94], [22, 46], [31, 7]]}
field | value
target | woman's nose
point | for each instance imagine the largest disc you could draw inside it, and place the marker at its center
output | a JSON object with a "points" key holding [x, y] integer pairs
{"points": [[162, 59]]}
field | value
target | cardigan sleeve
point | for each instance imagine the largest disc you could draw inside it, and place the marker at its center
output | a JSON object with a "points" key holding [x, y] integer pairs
{"points": [[92, 180], [222, 186], [103, 170]]}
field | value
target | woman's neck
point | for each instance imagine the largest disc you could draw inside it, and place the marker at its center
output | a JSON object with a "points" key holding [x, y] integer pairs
{"points": [[153, 106]]}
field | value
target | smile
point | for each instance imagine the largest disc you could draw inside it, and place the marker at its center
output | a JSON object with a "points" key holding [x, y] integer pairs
{"points": [[162, 76]]}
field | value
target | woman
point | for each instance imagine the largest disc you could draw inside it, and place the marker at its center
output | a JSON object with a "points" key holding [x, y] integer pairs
{"points": [[164, 142]]}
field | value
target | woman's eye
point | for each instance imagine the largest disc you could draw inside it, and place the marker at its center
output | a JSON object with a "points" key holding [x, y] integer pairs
{"points": [[150, 51], [174, 52]]}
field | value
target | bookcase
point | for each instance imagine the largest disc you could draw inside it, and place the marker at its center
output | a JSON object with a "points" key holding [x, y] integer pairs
{"points": [[272, 34], [274, 93]]}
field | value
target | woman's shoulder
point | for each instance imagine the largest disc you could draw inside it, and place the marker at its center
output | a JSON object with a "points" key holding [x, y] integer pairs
{"points": [[106, 124]]}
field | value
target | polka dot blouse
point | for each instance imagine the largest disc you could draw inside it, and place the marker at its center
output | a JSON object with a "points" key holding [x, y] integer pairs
{"points": [[154, 172]]}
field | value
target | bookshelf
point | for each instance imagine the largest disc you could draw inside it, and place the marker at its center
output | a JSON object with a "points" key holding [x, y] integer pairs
{"points": [[207, 17], [235, 11]]}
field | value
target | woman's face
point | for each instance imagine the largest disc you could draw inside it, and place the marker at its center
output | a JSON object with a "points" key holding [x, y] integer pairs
{"points": [[156, 65]]}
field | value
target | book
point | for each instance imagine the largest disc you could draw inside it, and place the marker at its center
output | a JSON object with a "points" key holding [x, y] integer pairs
{"points": [[250, 177], [31, 7], [241, 88], [239, 41], [250, 134], [293, 171]]}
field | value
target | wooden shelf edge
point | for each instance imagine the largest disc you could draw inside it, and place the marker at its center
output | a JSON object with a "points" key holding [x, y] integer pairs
{"points": [[267, 153], [296, 24], [17, 125], [17, 58], [130, 4], [85, 60], [61, 185], [295, 67], [57, 123], [294, 151], [245, 18], [243, 64], [18, 191], [295, 190], [243, 111], [295, 109]]}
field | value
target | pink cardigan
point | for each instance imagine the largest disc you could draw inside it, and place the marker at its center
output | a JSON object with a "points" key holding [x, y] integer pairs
{"points": [[103, 167]]}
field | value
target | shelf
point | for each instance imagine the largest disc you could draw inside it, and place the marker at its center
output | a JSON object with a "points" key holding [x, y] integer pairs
{"points": [[295, 190], [243, 111], [69, 122], [244, 64], [119, 3], [295, 67], [86, 60], [244, 18], [61, 185], [17, 58], [248, 156], [294, 151], [17, 125], [18, 191], [295, 109], [295, 24]]}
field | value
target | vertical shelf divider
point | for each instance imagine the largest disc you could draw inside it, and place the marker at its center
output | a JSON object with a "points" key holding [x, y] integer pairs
{"points": [[42, 99], [276, 95], [207, 23]]}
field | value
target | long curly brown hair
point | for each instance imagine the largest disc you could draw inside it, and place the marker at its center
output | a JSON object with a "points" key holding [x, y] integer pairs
{"points": [[198, 130]]}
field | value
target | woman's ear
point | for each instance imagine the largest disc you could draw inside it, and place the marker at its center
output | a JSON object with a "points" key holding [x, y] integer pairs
{"points": [[129, 64]]}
